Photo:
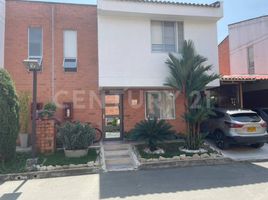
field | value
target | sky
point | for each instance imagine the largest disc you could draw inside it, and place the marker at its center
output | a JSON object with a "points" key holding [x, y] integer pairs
{"points": [[234, 11]]}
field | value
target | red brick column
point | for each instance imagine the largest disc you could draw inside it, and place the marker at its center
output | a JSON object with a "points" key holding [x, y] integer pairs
{"points": [[45, 136]]}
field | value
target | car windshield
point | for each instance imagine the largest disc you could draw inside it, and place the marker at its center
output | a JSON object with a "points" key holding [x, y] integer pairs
{"points": [[246, 117]]}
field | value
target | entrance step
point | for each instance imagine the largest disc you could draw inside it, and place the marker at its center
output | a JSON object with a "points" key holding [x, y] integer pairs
{"points": [[113, 146], [117, 157]]}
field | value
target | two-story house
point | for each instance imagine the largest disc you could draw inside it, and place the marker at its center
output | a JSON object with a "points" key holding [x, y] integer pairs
{"points": [[135, 38], [243, 58], [107, 62], [2, 31]]}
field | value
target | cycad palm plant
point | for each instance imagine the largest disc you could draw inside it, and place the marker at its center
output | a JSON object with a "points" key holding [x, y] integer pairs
{"points": [[152, 131], [189, 75]]}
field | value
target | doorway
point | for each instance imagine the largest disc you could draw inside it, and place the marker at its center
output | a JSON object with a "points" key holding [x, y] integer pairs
{"points": [[113, 117]]}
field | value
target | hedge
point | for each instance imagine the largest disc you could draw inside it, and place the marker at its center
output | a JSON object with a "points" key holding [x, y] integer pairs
{"points": [[9, 116]]}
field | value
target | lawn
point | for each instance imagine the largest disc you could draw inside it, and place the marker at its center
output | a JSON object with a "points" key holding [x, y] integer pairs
{"points": [[171, 150], [59, 159], [17, 165]]}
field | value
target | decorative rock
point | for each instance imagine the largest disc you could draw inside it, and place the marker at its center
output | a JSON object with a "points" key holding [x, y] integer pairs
{"points": [[205, 155], [90, 164], [176, 157], [72, 166], [183, 157], [50, 168], [157, 152], [162, 158], [43, 168], [196, 156], [31, 164], [188, 158], [96, 163], [213, 155]]}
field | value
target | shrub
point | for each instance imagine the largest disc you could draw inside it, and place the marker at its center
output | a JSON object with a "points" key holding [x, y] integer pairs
{"points": [[152, 131], [76, 136], [48, 111], [24, 101], [9, 117]]}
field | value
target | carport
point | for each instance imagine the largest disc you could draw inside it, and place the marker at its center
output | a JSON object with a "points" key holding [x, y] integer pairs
{"points": [[242, 91]]}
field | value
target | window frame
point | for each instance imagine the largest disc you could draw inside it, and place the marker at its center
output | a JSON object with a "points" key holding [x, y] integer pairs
{"points": [[159, 92], [68, 69], [42, 41], [250, 67], [176, 35]]}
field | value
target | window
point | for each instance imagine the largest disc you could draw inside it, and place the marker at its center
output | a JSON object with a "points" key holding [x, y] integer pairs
{"points": [[35, 50], [251, 64], [166, 36], [246, 117], [160, 105], [70, 51]]}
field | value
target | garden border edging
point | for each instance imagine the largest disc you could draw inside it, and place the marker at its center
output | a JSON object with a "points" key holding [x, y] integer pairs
{"points": [[169, 163], [50, 174]]}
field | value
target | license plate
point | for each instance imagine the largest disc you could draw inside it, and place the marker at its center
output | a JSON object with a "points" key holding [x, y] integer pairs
{"points": [[251, 129]]}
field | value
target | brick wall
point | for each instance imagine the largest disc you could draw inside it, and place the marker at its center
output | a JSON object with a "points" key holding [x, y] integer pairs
{"points": [[66, 86], [224, 57], [45, 136], [136, 113]]}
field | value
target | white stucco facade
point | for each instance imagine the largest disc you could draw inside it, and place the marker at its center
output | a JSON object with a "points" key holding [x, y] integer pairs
{"points": [[124, 40], [2, 32], [250, 33]]}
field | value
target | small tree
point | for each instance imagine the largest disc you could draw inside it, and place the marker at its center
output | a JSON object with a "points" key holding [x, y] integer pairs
{"points": [[190, 76], [24, 101], [9, 116]]}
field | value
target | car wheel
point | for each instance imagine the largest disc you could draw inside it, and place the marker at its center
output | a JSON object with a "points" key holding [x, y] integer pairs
{"points": [[221, 140], [258, 145]]}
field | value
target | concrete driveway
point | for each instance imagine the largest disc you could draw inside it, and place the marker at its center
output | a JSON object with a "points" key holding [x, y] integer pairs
{"points": [[235, 181], [244, 153]]}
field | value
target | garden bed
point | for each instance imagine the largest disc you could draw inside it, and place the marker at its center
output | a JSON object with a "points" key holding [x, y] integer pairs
{"points": [[175, 157], [54, 161], [172, 150]]}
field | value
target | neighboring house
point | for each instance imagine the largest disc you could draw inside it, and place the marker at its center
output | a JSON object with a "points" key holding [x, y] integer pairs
{"points": [[108, 61], [64, 38], [243, 58], [246, 48], [2, 32]]}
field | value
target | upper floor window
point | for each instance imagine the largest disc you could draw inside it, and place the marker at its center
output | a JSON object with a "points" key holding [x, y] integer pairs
{"points": [[35, 44], [166, 36], [251, 64], [70, 51], [160, 105]]}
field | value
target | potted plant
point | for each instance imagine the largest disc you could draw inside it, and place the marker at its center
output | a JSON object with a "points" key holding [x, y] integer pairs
{"points": [[24, 101], [76, 138], [48, 111]]}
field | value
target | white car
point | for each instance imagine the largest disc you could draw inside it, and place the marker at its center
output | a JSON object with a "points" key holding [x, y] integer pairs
{"points": [[236, 127]]}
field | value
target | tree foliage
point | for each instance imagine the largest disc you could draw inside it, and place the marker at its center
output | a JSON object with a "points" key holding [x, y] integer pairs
{"points": [[24, 101], [9, 116], [190, 75]]}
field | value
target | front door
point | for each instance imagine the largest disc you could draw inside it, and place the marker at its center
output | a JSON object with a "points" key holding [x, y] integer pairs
{"points": [[112, 117]]}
